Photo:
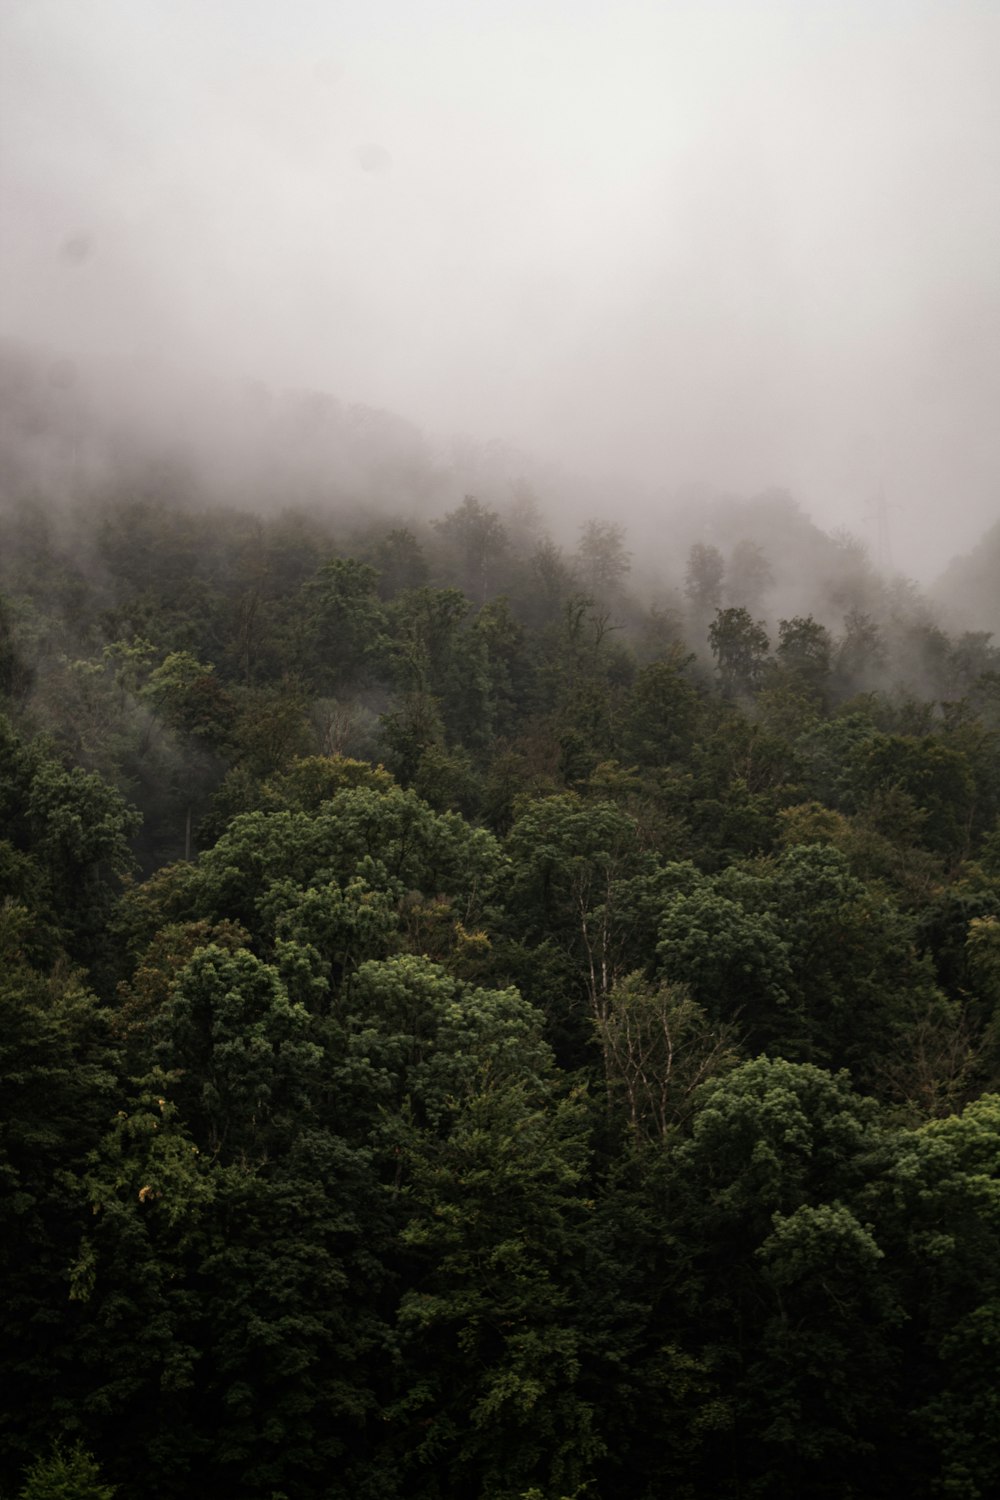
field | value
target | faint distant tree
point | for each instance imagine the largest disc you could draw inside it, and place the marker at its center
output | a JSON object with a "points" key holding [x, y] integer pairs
{"points": [[601, 558], [479, 537], [703, 579], [549, 582], [16, 676], [972, 657], [524, 516], [740, 646], [861, 653], [661, 632], [854, 583], [749, 576], [400, 561]]}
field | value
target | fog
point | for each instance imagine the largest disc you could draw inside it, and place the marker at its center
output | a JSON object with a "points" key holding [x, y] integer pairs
{"points": [[743, 244]]}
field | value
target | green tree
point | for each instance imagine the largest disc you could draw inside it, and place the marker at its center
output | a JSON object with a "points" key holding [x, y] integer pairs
{"points": [[860, 654], [57, 1089], [190, 697], [232, 1334], [582, 879], [493, 1326], [662, 713], [936, 776], [453, 1086], [748, 577], [426, 626], [804, 653], [659, 1047], [812, 965], [788, 1292], [601, 559], [703, 581], [347, 625], [400, 562], [479, 539], [16, 675], [858, 989], [735, 960], [739, 645], [72, 1474], [73, 829], [235, 1052], [940, 1208], [388, 838]]}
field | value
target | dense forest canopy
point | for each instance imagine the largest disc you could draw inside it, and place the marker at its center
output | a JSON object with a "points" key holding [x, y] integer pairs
{"points": [[487, 1011], [499, 750]]}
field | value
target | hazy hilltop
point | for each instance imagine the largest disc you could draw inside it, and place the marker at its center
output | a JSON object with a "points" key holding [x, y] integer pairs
{"points": [[648, 244], [76, 435], [96, 456], [72, 428]]}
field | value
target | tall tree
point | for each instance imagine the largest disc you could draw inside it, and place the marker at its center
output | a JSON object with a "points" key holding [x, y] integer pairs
{"points": [[479, 539], [703, 578], [740, 646]]}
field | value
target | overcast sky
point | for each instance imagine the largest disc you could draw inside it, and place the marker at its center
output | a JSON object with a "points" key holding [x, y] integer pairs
{"points": [[749, 242]]}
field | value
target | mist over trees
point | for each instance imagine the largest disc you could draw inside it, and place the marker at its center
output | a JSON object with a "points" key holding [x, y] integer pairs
{"points": [[495, 1004], [499, 750]]}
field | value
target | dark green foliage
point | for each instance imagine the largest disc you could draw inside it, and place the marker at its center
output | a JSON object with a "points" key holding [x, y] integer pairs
{"points": [[662, 715], [478, 539], [804, 654], [72, 1475], [58, 1084], [792, 1313], [345, 623], [808, 961], [15, 674], [740, 645], [66, 846], [940, 1201], [933, 774], [590, 1103]]}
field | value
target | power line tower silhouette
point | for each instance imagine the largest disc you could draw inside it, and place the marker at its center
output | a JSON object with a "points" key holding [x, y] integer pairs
{"points": [[883, 545]]}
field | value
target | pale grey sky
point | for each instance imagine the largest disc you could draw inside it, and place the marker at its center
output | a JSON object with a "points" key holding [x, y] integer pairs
{"points": [[751, 242]]}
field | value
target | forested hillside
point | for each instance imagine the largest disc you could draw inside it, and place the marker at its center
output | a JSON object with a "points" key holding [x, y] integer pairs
{"points": [[487, 1019]]}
